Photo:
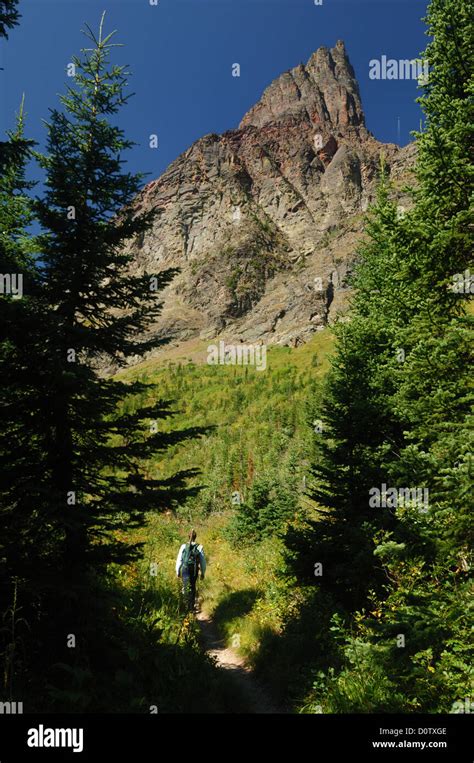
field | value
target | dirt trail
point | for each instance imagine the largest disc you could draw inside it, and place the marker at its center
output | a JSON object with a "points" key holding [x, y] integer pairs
{"points": [[226, 658]]}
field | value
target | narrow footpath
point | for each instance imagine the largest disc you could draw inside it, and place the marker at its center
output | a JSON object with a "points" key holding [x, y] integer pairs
{"points": [[255, 696]]}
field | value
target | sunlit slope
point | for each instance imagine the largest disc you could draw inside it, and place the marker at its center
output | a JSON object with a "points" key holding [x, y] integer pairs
{"points": [[252, 413]]}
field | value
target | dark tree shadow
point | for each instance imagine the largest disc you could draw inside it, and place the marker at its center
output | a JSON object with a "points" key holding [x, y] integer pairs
{"points": [[236, 604], [287, 662]]}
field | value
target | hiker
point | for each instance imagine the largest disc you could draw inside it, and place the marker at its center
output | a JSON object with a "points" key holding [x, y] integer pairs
{"points": [[190, 560]]}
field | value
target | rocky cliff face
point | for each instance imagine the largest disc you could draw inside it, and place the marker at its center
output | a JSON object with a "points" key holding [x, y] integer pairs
{"points": [[264, 219]]}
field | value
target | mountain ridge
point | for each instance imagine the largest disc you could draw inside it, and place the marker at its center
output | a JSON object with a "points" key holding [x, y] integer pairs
{"points": [[263, 219]]}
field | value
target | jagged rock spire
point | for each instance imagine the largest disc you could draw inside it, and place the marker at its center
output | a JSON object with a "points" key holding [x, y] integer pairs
{"points": [[262, 221], [324, 91]]}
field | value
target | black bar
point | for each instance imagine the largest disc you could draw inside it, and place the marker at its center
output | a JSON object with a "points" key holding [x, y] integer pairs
{"points": [[155, 737]]}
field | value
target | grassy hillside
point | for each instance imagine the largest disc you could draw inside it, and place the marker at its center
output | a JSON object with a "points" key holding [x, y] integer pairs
{"points": [[260, 429], [258, 420]]}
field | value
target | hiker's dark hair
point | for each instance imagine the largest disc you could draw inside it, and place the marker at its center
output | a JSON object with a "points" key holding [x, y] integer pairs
{"points": [[192, 536]]}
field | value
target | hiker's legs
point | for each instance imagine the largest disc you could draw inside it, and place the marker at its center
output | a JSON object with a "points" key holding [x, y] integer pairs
{"points": [[193, 579], [189, 588]]}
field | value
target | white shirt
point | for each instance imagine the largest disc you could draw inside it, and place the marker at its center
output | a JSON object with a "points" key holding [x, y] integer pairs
{"points": [[202, 558]]}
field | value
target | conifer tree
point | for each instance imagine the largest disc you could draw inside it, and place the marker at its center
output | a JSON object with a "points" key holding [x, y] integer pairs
{"points": [[418, 410], [23, 538], [96, 309], [16, 269]]}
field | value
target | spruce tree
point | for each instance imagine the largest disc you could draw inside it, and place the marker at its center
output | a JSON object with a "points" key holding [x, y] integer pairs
{"points": [[24, 537], [96, 309], [418, 408]]}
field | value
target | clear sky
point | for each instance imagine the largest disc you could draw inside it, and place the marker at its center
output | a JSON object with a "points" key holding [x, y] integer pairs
{"points": [[181, 54]]}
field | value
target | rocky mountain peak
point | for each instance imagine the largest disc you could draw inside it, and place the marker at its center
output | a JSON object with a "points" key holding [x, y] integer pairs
{"points": [[324, 93], [263, 221]]}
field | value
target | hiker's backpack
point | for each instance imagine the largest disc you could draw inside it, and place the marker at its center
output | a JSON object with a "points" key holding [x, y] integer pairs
{"points": [[191, 558]]}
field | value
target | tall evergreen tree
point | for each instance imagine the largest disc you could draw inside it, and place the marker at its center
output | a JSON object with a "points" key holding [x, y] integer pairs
{"points": [[97, 309], [19, 467], [24, 537], [73, 472], [418, 409]]}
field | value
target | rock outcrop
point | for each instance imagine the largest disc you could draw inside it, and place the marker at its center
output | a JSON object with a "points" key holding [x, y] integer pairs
{"points": [[263, 220]]}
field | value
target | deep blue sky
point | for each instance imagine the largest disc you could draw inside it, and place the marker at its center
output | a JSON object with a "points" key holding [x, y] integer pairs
{"points": [[181, 53]]}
